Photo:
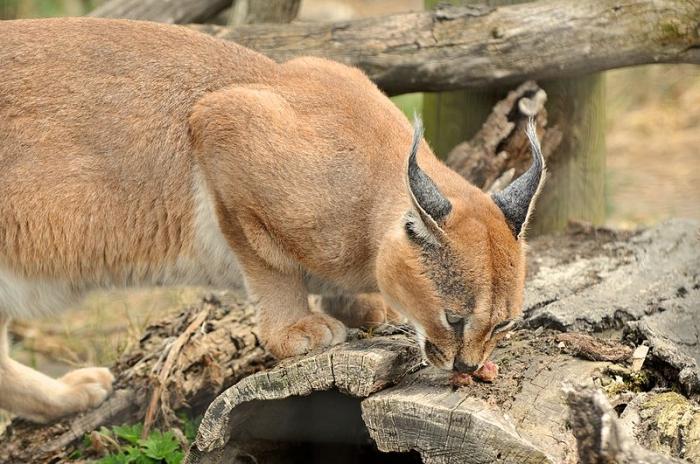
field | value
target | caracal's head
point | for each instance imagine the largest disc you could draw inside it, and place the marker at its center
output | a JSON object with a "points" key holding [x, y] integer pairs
{"points": [[455, 265]]}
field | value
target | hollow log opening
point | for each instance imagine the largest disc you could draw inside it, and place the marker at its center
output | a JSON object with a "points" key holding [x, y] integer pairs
{"points": [[323, 427]]}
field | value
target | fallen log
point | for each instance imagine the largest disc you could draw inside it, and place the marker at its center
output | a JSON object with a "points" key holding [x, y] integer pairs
{"points": [[292, 412], [463, 47], [480, 46], [271, 11], [452, 426]]}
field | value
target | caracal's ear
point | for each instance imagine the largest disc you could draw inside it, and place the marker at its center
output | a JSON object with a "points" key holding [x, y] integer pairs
{"points": [[518, 199], [430, 205]]}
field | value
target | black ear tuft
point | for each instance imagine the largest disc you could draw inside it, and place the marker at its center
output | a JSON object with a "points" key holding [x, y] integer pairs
{"points": [[517, 200]]}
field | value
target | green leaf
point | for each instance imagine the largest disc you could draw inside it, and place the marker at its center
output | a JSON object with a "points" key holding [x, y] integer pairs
{"points": [[119, 458], [129, 433], [175, 458], [160, 445], [136, 456], [87, 441]]}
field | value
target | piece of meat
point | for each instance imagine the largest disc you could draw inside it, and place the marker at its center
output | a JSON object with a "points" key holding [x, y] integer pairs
{"points": [[487, 373]]}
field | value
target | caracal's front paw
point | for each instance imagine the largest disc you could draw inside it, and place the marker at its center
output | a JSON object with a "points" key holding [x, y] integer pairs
{"points": [[311, 332], [90, 386]]}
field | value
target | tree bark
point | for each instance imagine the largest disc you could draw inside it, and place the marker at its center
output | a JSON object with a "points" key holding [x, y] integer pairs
{"points": [[172, 11], [479, 46]]}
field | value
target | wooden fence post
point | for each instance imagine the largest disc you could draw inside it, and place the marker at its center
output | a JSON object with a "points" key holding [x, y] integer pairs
{"points": [[576, 185]]}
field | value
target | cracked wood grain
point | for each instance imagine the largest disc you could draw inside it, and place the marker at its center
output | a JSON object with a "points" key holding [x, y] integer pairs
{"points": [[358, 369], [445, 426], [637, 274]]}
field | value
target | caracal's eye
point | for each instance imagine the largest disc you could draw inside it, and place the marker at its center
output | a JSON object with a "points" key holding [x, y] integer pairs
{"points": [[454, 319]]}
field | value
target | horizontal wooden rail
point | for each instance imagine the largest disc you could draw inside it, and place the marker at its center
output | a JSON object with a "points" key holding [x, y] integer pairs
{"points": [[474, 47]]}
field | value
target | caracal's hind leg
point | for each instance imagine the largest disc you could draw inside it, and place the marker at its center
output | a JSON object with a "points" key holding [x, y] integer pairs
{"points": [[363, 310], [34, 396]]}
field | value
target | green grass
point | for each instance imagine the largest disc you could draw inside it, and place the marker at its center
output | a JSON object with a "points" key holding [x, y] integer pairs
{"points": [[123, 444]]}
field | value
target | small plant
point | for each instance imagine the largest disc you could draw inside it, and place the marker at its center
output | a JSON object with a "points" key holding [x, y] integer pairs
{"points": [[122, 444]]}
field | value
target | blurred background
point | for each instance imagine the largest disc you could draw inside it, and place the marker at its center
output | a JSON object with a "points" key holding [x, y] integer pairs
{"points": [[652, 126]]}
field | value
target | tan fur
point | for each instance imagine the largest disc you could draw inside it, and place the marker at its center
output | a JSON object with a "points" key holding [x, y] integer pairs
{"points": [[136, 154]]}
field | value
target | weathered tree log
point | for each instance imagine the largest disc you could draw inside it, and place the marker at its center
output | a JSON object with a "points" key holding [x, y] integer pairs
{"points": [[475, 47], [521, 417], [644, 276], [673, 335], [666, 422], [422, 412], [172, 11]]}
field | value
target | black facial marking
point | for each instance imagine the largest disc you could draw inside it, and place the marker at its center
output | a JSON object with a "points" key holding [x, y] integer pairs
{"points": [[443, 271]]}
